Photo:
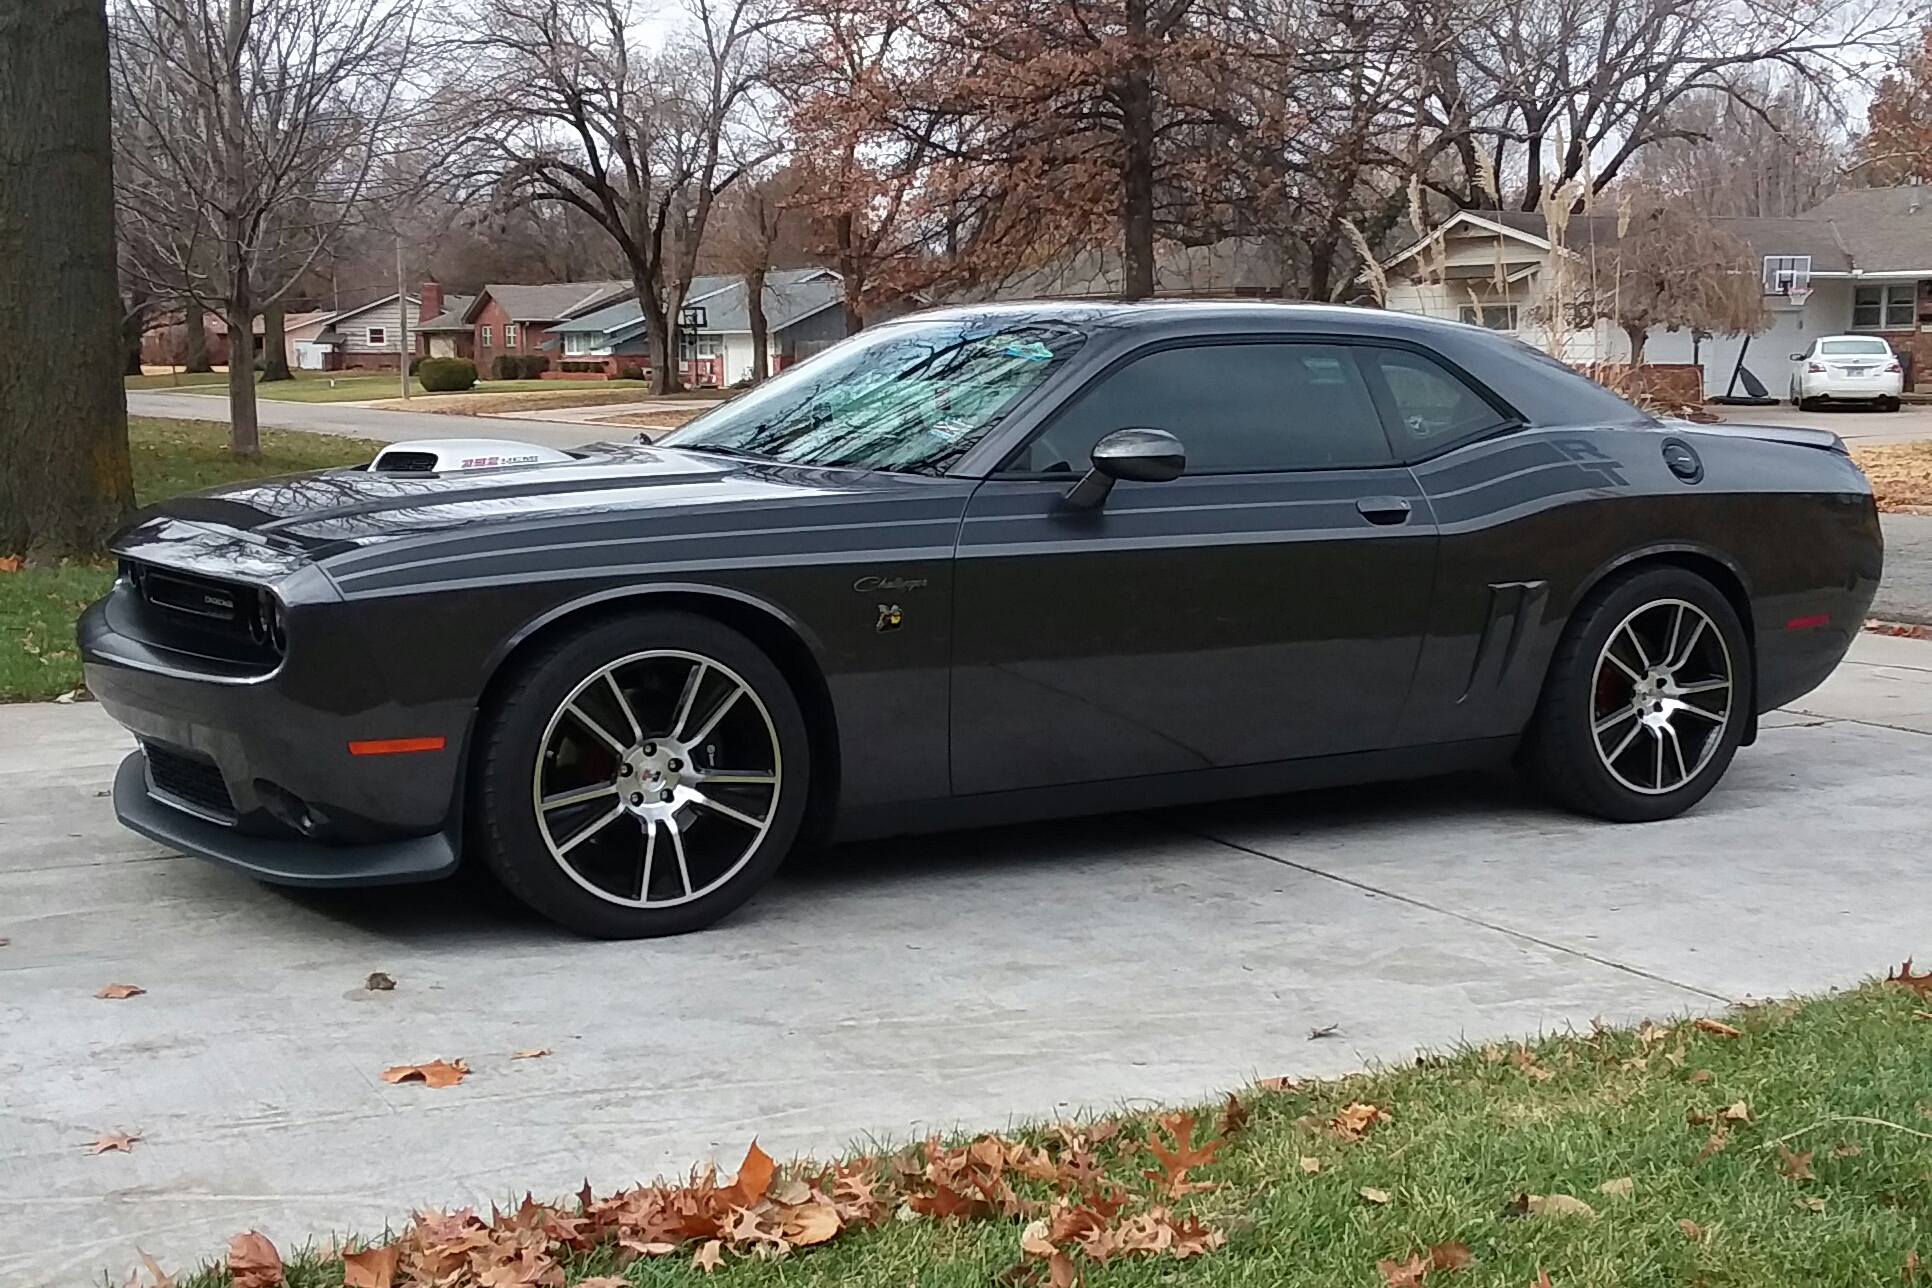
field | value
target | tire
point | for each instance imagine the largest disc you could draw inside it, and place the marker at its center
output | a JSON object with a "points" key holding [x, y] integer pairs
{"points": [[1890, 404], [1594, 743], [664, 817]]}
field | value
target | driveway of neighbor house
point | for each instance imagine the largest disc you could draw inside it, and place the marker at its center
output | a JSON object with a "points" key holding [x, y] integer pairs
{"points": [[887, 989], [1856, 425]]}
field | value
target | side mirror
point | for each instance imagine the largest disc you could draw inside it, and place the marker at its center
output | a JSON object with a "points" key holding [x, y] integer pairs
{"points": [[1139, 455], [1797, 357]]}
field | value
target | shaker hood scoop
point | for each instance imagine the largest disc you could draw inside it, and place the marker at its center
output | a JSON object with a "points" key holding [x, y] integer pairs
{"points": [[453, 455]]}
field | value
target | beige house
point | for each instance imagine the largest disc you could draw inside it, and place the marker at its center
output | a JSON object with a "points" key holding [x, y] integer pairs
{"points": [[1859, 262]]}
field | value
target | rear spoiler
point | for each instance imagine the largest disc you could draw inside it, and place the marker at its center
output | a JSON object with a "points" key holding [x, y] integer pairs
{"points": [[1796, 435]]}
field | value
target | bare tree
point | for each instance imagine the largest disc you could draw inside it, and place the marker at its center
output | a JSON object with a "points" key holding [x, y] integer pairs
{"points": [[64, 482], [565, 105], [1772, 149], [1671, 268], [751, 222], [260, 123]]}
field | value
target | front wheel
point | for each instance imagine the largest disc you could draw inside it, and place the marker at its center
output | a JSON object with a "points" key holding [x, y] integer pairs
{"points": [[644, 777], [1647, 698]]}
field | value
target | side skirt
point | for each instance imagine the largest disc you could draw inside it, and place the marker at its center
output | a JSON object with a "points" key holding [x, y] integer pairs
{"points": [[902, 818]]}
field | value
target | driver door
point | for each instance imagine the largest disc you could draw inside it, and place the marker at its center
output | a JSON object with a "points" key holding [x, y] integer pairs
{"points": [[1269, 604]]}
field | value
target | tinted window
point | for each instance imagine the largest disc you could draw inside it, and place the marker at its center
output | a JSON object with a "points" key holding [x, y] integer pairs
{"points": [[1235, 407], [1430, 405]]}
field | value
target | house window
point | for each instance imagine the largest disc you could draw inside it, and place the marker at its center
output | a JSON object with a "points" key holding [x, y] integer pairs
{"points": [[585, 344], [1888, 308], [509, 335], [378, 337], [1497, 317], [699, 346], [483, 335], [1784, 274]]}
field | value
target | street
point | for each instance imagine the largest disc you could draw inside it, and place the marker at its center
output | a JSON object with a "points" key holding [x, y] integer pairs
{"points": [[877, 991]]}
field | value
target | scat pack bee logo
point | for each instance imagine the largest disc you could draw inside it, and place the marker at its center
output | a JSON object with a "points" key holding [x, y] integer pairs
{"points": [[890, 618]]}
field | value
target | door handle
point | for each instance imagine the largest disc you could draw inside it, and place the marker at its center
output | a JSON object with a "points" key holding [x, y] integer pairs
{"points": [[1383, 509]]}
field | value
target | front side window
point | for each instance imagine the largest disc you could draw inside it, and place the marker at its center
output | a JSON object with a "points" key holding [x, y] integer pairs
{"points": [[378, 336], [911, 396], [1430, 406], [1237, 408]]}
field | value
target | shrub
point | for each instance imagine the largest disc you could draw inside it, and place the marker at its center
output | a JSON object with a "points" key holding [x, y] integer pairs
{"points": [[446, 375], [534, 365], [415, 366], [505, 366], [631, 372]]}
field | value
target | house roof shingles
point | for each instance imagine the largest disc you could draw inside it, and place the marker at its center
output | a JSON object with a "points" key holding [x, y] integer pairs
{"points": [[451, 318], [790, 295], [548, 301]]}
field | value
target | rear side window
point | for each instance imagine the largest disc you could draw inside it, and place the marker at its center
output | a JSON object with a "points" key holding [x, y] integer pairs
{"points": [[1237, 408], [1429, 406]]}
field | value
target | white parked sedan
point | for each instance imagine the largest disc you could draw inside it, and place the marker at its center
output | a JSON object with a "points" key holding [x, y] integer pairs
{"points": [[1847, 369]]}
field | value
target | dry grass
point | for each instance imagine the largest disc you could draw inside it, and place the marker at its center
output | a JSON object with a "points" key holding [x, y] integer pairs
{"points": [[666, 419], [1901, 475], [589, 394]]}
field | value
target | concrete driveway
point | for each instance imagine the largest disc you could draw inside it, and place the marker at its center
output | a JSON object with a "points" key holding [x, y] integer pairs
{"points": [[883, 990], [1856, 425]]}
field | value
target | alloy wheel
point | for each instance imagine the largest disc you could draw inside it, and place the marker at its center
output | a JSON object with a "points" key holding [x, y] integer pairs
{"points": [[1661, 697], [657, 779]]}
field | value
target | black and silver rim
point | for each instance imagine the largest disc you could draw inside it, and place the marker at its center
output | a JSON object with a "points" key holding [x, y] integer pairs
{"points": [[657, 779], [1662, 696]]}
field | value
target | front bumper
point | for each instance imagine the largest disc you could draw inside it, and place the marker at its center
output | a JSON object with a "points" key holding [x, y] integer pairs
{"points": [[278, 861]]}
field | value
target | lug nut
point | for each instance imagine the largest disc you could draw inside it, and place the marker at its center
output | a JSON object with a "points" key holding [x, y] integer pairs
{"points": [[637, 798], [650, 749], [666, 794], [624, 771], [675, 765]]}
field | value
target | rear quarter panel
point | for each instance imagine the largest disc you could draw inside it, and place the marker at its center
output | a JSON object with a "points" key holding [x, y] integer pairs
{"points": [[1532, 522]]}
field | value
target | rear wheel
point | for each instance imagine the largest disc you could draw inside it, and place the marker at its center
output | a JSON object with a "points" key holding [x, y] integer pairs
{"points": [[1647, 698], [644, 777], [1890, 404]]}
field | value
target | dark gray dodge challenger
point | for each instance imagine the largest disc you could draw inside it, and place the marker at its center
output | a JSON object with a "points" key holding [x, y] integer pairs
{"points": [[972, 566]]}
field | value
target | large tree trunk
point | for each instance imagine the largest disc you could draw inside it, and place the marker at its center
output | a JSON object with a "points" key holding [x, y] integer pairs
{"points": [[275, 345], [1137, 161], [64, 482], [244, 434], [658, 340], [195, 336], [760, 332], [852, 296], [1321, 266]]}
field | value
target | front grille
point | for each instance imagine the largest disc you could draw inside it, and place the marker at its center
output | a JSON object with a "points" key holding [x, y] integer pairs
{"points": [[206, 616], [190, 778]]}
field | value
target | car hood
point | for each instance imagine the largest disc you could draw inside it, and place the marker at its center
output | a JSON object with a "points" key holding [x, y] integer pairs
{"points": [[313, 516]]}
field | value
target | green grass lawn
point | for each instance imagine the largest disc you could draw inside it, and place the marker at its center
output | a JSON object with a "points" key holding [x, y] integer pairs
{"points": [[324, 386], [38, 605], [1797, 1151]]}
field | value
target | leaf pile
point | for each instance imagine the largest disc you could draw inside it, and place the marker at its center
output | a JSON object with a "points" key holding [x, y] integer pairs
{"points": [[1901, 475], [1062, 1187]]}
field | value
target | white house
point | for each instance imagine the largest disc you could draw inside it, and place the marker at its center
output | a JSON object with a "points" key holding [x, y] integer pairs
{"points": [[369, 336], [1860, 261]]}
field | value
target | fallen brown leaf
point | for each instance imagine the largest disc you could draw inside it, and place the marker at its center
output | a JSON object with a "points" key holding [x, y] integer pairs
{"points": [[437, 1073], [754, 1177], [1692, 1231], [1903, 976], [534, 1053], [1403, 1274], [1796, 1167], [371, 1267], [1716, 1142], [253, 1261], [120, 1141], [709, 1256], [1449, 1256], [1719, 1027], [1619, 1188], [1176, 1161], [603, 1281], [1909, 1272], [1310, 1165], [379, 982], [1374, 1195], [1352, 1120], [120, 992], [1542, 1279], [1811, 1203], [1277, 1084], [1234, 1116], [810, 1223], [1699, 1075], [1846, 1151], [1061, 1272], [10, 563], [1737, 1112]]}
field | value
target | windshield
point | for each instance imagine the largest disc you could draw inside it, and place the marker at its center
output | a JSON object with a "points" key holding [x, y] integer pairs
{"points": [[911, 396], [1845, 348]]}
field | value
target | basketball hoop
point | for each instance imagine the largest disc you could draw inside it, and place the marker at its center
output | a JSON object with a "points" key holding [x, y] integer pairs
{"points": [[1791, 298]]}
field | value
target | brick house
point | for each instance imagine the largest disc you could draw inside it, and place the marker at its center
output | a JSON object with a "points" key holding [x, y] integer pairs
{"points": [[511, 318], [441, 328]]}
